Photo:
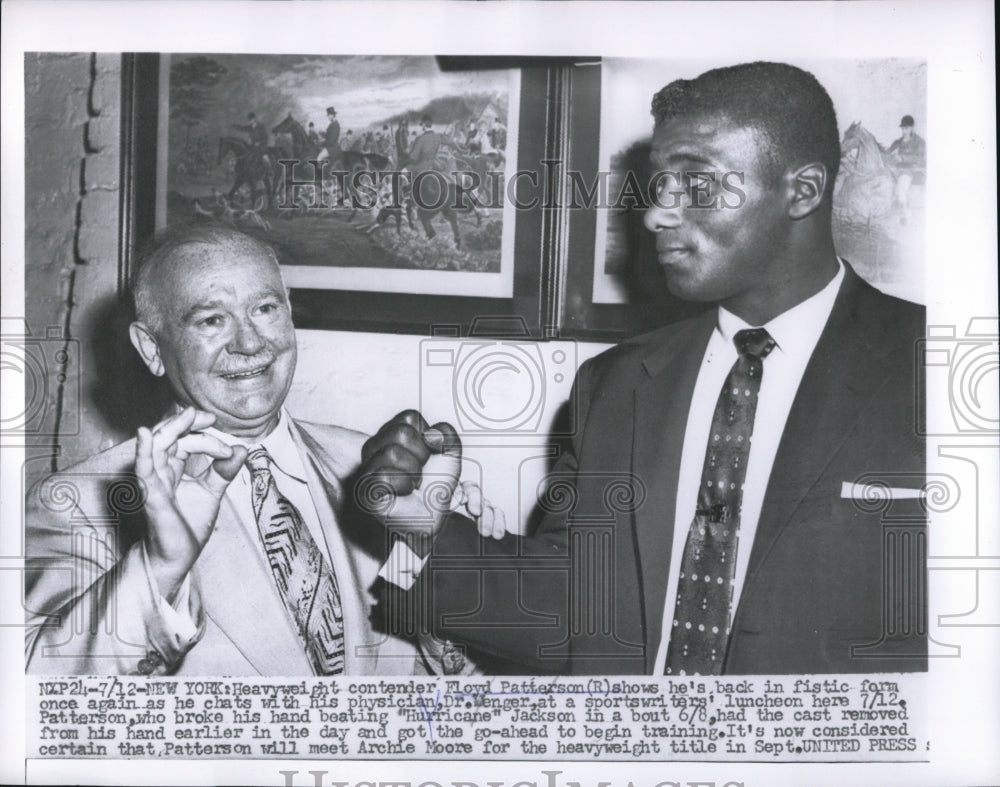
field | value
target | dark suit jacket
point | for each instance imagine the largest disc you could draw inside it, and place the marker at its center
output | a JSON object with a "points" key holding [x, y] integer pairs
{"points": [[585, 594]]}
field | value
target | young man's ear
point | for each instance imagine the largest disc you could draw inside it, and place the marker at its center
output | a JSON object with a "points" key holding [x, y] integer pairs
{"points": [[147, 347], [808, 186]]}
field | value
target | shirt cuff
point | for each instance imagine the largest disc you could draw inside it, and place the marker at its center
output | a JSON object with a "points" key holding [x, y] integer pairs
{"points": [[402, 567], [176, 622]]}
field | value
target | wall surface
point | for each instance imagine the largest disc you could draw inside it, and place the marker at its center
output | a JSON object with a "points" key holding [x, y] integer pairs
{"points": [[72, 125], [358, 380], [361, 380]]}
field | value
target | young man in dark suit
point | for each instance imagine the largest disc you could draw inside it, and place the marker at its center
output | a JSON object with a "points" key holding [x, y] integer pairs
{"points": [[704, 519]]}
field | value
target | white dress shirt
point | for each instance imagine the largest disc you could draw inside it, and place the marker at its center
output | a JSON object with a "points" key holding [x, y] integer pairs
{"points": [[289, 476], [795, 333]]}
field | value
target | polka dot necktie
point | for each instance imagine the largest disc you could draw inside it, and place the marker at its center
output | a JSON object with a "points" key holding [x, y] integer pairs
{"points": [[702, 615], [305, 581]]}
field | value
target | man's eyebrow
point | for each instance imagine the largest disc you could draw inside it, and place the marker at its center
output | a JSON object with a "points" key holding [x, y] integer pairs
{"points": [[204, 306], [676, 158], [189, 315]]}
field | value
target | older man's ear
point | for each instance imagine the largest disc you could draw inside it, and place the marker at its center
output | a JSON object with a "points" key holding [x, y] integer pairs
{"points": [[146, 345]]}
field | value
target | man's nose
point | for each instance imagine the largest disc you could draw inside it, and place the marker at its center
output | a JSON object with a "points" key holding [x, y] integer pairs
{"points": [[246, 339], [664, 212]]}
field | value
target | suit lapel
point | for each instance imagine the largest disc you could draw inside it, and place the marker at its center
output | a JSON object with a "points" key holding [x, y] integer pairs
{"points": [[661, 410], [243, 602], [843, 374]]}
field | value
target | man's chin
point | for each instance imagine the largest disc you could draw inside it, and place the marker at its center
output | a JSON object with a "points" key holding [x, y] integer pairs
{"points": [[249, 421], [687, 289]]}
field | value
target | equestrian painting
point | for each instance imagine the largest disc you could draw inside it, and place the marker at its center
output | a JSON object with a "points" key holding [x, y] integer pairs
{"points": [[371, 162]]}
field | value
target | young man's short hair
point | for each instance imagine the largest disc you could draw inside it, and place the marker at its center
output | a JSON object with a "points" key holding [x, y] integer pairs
{"points": [[786, 105]]}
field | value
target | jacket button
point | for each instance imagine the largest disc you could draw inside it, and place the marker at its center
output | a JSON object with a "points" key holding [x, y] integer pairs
{"points": [[145, 667]]}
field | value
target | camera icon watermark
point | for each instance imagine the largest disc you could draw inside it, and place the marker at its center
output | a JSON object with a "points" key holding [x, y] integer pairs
{"points": [[497, 381], [46, 368], [966, 367]]}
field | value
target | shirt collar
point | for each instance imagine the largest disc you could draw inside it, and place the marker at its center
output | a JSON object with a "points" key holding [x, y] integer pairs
{"points": [[796, 330], [279, 444]]}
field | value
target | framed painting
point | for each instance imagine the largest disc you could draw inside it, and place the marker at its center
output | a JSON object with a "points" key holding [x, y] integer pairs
{"points": [[390, 186], [630, 297]]}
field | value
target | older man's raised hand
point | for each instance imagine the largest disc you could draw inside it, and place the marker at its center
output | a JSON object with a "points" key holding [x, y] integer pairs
{"points": [[186, 474], [409, 474]]}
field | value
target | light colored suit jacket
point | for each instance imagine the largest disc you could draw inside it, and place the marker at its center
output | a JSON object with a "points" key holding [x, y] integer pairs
{"points": [[92, 609]]}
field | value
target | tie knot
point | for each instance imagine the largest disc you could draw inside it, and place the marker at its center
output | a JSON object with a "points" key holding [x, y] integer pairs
{"points": [[258, 459], [754, 341]]}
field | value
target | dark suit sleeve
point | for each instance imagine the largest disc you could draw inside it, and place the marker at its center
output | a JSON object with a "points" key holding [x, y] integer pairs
{"points": [[510, 598]]}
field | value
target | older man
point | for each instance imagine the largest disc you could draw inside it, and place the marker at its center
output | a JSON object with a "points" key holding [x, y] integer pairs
{"points": [[221, 541], [702, 521]]}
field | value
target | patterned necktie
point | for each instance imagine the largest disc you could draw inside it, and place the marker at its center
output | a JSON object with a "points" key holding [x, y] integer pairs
{"points": [[700, 630], [306, 583]]}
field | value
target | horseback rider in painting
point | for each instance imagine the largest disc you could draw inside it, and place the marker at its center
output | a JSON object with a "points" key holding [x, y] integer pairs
{"points": [[253, 160], [423, 154], [473, 139], [431, 186], [908, 160], [256, 131]]}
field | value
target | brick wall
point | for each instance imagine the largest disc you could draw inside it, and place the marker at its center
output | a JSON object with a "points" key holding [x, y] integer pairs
{"points": [[72, 119]]}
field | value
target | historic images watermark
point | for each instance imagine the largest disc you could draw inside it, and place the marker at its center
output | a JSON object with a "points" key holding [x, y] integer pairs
{"points": [[526, 189]]}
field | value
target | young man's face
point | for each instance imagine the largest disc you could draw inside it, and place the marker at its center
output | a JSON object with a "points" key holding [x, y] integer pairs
{"points": [[906, 131], [720, 216], [227, 342]]}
